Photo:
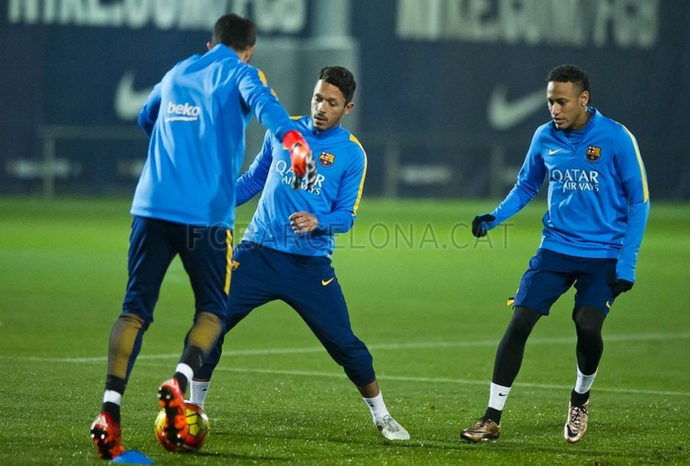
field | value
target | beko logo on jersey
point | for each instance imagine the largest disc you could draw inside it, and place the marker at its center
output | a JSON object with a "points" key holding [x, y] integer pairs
{"points": [[288, 175], [575, 179], [182, 112]]}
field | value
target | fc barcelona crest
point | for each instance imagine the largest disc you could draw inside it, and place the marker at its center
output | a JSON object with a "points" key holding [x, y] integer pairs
{"points": [[326, 159], [593, 154]]}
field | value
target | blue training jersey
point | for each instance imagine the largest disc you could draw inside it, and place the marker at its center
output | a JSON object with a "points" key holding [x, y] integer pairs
{"points": [[598, 199], [341, 168], [196, 117]]}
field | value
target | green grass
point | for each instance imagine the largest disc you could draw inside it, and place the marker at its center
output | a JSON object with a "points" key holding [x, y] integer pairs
{"points": [[426, 297]]}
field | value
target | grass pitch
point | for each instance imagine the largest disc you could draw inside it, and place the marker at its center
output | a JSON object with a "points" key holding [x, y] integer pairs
{"points": [[426, 297]]}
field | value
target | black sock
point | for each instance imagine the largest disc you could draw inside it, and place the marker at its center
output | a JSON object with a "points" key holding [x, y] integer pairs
{"points": [[193, 356], [493, 414], [578, 399], [118, 385], [113, 410], [182, 380]]}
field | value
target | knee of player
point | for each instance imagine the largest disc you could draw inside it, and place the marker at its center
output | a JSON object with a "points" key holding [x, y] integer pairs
{"points": [[133, 320], [588, 321], [136, 316]]}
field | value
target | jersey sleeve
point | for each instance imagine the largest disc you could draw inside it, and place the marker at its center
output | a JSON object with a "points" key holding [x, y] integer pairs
{"points": [[529, 180], [149, 111], [254, 179], [633, 176], [342, 216], [264, 103]]}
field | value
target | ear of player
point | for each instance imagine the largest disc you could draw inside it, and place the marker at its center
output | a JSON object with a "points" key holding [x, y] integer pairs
{"points": [[303, 165]]}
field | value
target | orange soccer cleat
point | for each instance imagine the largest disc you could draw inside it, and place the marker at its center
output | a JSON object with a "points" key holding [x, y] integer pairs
{"points": [[107, 437], [171, 399]]}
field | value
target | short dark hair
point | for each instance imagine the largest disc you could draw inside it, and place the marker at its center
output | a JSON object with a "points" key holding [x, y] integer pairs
{"points": [[235, 32], [570, 74], [341, 78]]}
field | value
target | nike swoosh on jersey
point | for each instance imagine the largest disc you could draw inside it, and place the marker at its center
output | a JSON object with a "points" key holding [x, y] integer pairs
{"points": [[326, 282], [504, 114], [553, 151], [128, 101]]}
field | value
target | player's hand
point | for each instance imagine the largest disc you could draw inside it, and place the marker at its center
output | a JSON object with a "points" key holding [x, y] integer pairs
{"points": [[478, 224], [303, 222], [303, 165], [621, 286]]}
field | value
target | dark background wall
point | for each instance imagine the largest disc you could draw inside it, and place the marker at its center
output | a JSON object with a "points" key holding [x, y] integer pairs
{"points": [[450, 91]]}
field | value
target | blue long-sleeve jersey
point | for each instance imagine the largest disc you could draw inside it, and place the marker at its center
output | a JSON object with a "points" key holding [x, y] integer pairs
{"points": [[196, 117], [598, 199], [341, 169]]}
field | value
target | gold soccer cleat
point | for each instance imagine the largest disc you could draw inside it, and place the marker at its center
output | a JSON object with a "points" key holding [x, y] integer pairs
{"points": [[576, 424], [483, 429]]}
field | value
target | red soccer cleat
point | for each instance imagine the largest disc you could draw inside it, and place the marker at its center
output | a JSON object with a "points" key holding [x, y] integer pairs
{"points": [[171, 399], [107, 437]]}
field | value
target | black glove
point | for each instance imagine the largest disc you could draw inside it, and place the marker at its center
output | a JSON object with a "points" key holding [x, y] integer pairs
{"points": [[618, 285], [478, 227], [621, 286]]}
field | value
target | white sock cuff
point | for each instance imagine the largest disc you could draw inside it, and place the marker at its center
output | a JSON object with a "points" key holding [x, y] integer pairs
{"points": [[583, 383], [498, 394], [111, 396], [377, 406], [198, 392]]}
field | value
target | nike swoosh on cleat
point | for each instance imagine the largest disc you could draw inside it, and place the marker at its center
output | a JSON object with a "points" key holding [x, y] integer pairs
{"points": [[551, 152], [326, 282], [503, 114], [128, 101], [502, 394]]}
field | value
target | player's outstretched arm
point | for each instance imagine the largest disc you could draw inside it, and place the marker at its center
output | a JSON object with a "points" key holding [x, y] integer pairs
{"points": [[526, 187]]}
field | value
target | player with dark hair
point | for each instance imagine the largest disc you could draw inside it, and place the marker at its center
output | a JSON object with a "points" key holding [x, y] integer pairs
{"points": [[185, 204], [286, 251], [598, 205]]}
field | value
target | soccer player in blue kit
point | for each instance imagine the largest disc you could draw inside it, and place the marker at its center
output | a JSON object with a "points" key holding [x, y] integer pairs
{"points": [[286, 251], [598, 204], [185, 204]]}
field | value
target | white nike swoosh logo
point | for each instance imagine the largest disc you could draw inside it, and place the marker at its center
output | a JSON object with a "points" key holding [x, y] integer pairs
{"points": [[504, 115], [128, 101], [551, 152]]}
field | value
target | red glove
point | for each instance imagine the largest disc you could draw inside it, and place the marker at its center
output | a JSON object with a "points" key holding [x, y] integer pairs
{"points": [[301, 159]]}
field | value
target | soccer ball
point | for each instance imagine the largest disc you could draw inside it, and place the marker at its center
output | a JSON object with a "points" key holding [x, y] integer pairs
{"points": [[197, 420]]}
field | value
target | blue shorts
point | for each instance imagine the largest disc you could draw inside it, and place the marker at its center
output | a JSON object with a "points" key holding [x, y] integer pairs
{"points": [[309, 285], [205, 253], [550, 274]]}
